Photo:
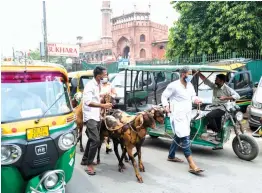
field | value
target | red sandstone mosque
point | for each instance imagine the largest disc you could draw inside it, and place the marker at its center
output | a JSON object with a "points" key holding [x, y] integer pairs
{"points": [[132, 36]]}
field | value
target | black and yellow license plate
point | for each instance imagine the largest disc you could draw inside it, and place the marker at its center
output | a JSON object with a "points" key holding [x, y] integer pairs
{"points": [[37, 133]]}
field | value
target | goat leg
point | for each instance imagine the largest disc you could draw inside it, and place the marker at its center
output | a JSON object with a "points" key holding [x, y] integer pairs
{"points": [[140, 144], [123, 147], [116, 142], [140, 163], [130, 154], [121, 165], [79, 139], [108, 149]]}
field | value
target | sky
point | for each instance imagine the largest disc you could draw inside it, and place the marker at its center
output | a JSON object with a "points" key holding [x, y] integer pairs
{"points": [[21, 20]]}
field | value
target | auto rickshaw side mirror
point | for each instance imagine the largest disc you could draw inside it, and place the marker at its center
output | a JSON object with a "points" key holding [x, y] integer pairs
{"points": [[256, 84]]}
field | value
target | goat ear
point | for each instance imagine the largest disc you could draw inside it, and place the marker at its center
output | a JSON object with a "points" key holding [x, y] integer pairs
{"points": [[141, 120], [153, 111]]}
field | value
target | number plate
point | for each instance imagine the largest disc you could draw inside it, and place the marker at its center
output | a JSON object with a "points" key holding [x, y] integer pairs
{"points": [[37, 133]]}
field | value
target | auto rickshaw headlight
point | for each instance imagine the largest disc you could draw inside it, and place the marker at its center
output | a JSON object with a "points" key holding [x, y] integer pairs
{"points": [[67, 141], [239, 116], [51, 180], [10, 154]]}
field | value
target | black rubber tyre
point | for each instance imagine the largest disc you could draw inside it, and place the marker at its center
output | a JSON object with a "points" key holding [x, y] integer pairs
{"points": [[153, 136], [253, 128], [248, 142]]}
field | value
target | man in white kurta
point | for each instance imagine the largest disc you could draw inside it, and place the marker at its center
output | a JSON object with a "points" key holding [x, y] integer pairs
{"points": [[177, 98]]}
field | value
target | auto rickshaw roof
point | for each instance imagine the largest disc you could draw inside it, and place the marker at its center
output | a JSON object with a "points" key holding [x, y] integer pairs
{"points": [[231, 66], [35, 67], [78, 74], [202, 68]]}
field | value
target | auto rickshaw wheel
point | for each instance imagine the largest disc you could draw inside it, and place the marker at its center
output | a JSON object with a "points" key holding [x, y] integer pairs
{"points": [[250, 147], [153, 136], [253, 128]]}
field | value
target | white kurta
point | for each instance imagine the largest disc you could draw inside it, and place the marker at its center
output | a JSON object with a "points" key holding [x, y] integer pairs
{"points": [[181, 99]]}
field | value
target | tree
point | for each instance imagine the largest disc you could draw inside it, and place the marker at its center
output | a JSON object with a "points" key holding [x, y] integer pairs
{"points": [[215, 27], [35, 54]]}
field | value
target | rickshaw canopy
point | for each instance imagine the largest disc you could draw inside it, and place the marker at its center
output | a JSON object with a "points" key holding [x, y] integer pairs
{"points": [[37, 67], [79, 74], [174, 68]]}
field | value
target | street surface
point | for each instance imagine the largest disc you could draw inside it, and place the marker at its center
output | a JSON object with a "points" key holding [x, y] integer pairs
{"points": [[224, 172]]}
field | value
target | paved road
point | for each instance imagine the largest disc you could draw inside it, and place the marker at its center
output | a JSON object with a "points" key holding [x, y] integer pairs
{"points": [[225, 173]]}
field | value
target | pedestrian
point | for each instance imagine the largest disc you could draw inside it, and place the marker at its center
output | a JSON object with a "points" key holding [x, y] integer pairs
{"points": [[107, 88], [181, 95], [91, 117]]}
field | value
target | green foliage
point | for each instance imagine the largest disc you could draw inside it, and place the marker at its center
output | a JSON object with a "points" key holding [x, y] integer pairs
{"points": [[35, 54], [215, 27]]}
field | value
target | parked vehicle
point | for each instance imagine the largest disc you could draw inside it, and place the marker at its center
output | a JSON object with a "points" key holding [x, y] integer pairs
{"points": [[111, 76], [255, 110], [151, 83], [38, 132], [78, 80], [135, 100], [258, 132]]}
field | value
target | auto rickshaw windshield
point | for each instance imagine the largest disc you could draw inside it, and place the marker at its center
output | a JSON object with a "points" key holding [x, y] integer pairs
{"points": [[83, 81], [32, 99], [119, 80]]}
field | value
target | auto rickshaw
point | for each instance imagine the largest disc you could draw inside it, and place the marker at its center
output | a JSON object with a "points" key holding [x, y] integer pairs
{"points": [[78, 81], [38, 128], [136, 93]]}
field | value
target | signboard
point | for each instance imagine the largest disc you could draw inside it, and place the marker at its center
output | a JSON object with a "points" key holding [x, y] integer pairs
{"points": [[69, 50]]}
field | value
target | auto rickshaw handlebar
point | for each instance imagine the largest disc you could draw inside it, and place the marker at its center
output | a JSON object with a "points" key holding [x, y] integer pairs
{"points": [[233, 109]]}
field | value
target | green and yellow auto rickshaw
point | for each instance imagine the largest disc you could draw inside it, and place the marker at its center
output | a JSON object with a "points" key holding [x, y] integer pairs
{"points": [[38, 128], [138, 97], [77, 82]]}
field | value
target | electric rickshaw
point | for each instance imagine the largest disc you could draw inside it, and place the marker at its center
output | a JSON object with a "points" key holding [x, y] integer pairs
{"points": [[137, 98], [38, 130]]}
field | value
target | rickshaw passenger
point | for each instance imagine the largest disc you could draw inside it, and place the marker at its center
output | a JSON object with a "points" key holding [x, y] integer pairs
{"points": [[181, 95], [222, 93]]}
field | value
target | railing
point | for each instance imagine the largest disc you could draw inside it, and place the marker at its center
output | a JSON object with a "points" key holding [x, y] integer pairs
{"points": [[204, 59]]}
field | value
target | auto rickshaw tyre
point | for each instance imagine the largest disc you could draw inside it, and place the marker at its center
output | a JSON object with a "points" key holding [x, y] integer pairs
{"points": [[153, 136], [252, 128], [254, 151]]}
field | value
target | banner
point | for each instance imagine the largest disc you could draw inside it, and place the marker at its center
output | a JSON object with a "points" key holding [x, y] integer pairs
{"points": [[69, 50]]}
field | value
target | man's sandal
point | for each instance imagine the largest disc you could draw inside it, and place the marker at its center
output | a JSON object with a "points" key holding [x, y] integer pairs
{"points": [[90, 171], [175, 160], [196, 170]]}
